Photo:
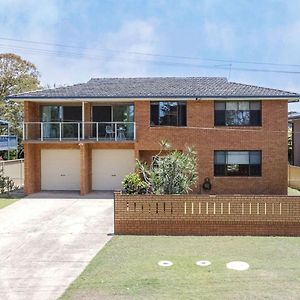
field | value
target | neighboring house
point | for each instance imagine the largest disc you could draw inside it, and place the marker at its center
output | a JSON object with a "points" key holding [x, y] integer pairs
{"points": [[294, 119], [87, 136]]}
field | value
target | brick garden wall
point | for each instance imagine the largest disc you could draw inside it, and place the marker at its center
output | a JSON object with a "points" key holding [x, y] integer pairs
{"points": [[207, 215]]}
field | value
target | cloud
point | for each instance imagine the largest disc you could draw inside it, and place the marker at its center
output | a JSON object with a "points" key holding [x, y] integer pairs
{"points": [[219, 36], [45, 20], [106, 55], [133, 36]]}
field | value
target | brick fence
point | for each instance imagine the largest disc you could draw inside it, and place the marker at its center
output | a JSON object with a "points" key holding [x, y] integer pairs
{"points": [[207, 215]]}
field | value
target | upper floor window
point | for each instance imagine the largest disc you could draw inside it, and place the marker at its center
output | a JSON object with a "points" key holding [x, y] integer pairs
{"points": [[237, 163], [168, 113], [237, 113], [56, 113]]}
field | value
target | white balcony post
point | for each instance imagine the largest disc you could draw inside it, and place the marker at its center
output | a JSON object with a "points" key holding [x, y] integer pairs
{"points": [[116, 133], [83, 120], [23, 129], [42, 131], [60, 131], [97, 131], [78, 129], [134, 131]]}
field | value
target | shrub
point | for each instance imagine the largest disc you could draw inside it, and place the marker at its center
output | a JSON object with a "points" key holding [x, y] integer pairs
{"points": [[174, 173], [6, 184], [133, 184]]}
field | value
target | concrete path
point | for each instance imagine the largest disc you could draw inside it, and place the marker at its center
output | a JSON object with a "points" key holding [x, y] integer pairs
{"points": [[46, 243]]}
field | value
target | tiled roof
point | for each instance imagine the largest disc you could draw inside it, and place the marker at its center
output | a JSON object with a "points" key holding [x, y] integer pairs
{"points": [[294, 116], [155, 87]]}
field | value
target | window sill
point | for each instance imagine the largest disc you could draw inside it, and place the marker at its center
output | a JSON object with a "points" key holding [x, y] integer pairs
{"points": [[166, 126], [239, 177], [238, 127]]}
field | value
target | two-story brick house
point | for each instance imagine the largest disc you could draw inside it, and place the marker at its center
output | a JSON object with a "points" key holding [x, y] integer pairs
{"points": [[87, 136]]}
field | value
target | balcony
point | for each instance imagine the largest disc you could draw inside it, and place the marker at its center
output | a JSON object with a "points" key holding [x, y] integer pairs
{"points": [[79, 131]]}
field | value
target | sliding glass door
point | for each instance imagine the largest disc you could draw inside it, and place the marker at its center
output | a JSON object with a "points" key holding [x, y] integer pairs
{"points": [[61, 121], [115, 121]]}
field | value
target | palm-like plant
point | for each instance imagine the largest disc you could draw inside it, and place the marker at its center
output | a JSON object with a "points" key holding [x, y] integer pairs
{"points": [[174, 173]]}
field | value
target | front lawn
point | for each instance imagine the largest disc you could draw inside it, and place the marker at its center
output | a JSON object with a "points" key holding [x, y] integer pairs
{"points": [[293, 192], [6, 201], [127, 269]]}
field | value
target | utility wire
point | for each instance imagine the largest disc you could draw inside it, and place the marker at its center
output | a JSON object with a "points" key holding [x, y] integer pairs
{"points": [[67, 54], [151, 54]]}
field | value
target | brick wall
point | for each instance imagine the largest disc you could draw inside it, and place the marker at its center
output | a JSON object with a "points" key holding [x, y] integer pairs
{"points": [[207, 215], [200, 132]]}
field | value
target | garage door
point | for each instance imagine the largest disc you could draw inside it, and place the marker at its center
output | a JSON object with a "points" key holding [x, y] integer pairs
{"points": [[109, 168], [60, 169]]}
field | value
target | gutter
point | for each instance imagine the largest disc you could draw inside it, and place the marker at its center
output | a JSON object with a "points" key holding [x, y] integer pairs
{"points": [[146, 98]]}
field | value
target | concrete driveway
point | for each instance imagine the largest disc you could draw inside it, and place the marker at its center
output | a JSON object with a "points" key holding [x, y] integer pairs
{"points": [[46, 243]]}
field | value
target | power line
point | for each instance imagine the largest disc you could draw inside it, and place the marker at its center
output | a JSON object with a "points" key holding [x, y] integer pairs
{"points": [[152, 54], [68, 54]]}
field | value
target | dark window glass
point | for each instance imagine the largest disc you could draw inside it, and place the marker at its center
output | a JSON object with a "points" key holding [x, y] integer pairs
{"points": [[255, 117], [102, 114], [51, 113], [237, 113], [219, 117], [69, 115], [168, 114], [237, 163], [154, 113], [72, 114], [181, 114], [255, 170], [220, 170]]}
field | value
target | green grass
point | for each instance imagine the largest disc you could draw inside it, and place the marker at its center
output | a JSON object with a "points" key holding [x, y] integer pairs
{"points": [[127, 269], [6, 201], [293, 192]]}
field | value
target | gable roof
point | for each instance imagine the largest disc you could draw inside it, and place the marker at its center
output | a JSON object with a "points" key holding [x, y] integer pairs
{"points": [[158, 87], [295, 116]]}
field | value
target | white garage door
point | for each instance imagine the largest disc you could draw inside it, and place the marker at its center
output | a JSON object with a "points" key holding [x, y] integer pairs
{"points": [[60, 169], [109, 168]]}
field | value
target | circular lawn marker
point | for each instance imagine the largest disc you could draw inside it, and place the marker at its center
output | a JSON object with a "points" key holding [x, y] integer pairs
{"points": [[238, 265], [165, 263], [203, 263]]}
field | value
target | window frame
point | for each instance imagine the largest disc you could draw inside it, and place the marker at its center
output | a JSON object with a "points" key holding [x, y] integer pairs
{"points": [[238, 102], [238, 175], [179, 117], [60, 110]]}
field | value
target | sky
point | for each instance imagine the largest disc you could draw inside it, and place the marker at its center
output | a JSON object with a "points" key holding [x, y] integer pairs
{"points": [[76, 40]]}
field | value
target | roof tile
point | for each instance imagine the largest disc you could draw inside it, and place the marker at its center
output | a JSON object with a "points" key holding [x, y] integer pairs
{"points": [[157, 87]]}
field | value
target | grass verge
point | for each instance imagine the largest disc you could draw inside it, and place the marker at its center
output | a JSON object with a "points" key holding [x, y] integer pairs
{"points": [[6, 201], [127, 269]]}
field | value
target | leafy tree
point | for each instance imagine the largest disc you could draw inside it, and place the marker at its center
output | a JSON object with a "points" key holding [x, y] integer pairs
{"points": [[173, 173], [16, 76]]}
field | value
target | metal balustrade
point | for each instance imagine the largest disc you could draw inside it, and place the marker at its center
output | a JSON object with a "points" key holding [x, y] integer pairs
{"points": [[71, 131]]}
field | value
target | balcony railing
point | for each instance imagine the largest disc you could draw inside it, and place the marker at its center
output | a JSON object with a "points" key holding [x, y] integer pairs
{"points": [[68, 131]]}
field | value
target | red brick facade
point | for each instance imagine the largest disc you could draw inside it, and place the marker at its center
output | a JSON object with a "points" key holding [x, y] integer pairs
{"points": [[270, 138], [207, 215]]}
